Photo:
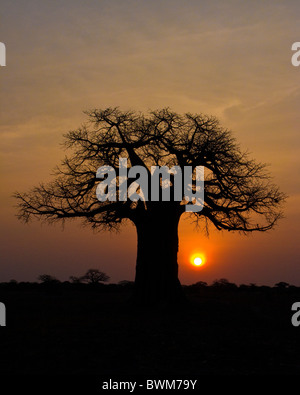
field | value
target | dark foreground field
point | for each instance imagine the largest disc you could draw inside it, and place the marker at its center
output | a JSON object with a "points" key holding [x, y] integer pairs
{"points": [[79, 330]]}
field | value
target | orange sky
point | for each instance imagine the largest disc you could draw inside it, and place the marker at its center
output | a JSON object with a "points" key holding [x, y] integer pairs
{"points": [[230, 59]]}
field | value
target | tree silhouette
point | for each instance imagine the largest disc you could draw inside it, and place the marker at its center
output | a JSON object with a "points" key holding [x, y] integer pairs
{"points": [[75, 280], [282, 285], [239, 195], [94, 276], [48, 279]]}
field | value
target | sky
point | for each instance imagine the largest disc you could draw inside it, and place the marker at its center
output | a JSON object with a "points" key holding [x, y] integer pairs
{"points": [[229, 59]]}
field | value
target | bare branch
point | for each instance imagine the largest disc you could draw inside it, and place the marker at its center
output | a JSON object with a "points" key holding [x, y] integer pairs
{"points": [[239, 195]]}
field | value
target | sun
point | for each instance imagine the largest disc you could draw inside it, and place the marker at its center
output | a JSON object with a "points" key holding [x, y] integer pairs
{"points": [[197, 259]]}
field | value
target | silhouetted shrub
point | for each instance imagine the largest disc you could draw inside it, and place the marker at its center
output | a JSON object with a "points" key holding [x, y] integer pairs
{"points": [[282, 285], [223, 283], [75, 280], [126, 283], [48, 279], [200, 284]]}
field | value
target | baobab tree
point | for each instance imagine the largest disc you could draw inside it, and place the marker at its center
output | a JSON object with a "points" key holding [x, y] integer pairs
{"points": [[238, 193]]}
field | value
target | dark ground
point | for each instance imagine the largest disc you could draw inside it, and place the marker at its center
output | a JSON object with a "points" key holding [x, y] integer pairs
{"points": [[81, 329]]}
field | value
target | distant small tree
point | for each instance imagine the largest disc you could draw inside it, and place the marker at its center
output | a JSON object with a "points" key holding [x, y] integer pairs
{"points": [[198, 284], [126, 283], [252, 285], [75, 280], [47, 278], [223, 283], [282, 285], [94, 276], [201, 284]]}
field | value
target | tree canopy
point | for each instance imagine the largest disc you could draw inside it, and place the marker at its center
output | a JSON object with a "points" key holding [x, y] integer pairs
{"points": [[238, 192]]}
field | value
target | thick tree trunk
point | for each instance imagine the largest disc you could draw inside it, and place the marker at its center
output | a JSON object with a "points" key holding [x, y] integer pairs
{"points": [[156, 267]]}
